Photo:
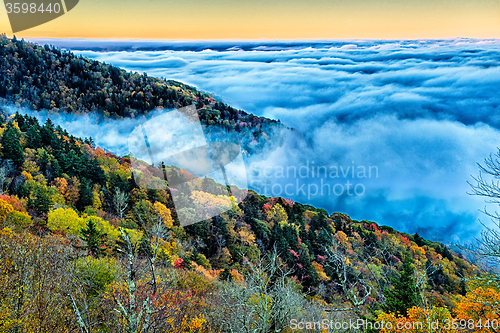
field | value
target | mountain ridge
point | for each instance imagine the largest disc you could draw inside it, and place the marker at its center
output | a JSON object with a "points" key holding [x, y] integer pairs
{"points": [[72, 198], [46, 78]]}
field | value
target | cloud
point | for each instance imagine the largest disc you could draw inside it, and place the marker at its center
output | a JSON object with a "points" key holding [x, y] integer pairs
{"points": [[420, 168], [421, 112]]}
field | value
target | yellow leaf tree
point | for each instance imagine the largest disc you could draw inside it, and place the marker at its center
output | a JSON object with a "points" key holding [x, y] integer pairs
{"points": [[277, 215], [164, 214]]}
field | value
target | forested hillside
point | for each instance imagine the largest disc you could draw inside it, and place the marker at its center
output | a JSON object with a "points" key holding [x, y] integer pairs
{"points": [[46, 78], [84, 248]]}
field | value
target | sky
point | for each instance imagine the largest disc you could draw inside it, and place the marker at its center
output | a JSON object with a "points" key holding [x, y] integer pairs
{"points": [[278, 19], [422, 113]]}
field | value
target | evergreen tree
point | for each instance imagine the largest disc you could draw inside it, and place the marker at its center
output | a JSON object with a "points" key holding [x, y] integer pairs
{"points": [[403, 295], [34, 137], [91, 143], [11, 146], [42, 202], [93, 239], [86, 195], [47, 133], [56, 169], [95, 172], [173, 178], [418, 240], [19, 118], [447, 253]]}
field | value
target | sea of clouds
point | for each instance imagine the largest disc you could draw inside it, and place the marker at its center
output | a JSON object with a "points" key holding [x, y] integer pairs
{"points": [[418, 114]]}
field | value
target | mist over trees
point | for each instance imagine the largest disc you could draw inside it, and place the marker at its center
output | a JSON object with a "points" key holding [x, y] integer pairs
{"points": [[83, 248], [269, 260], [47, 78]]}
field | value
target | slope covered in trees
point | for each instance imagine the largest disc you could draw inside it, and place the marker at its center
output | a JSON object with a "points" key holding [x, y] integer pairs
{"points": [[46, 78], [84, 248]]}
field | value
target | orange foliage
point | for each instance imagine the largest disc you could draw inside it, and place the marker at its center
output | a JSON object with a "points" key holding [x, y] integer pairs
{"points": [[69, 190], [321, 271], [17, 204], [237, 276], [247, 236], [480, 303], [437, 319], [211, 274]]}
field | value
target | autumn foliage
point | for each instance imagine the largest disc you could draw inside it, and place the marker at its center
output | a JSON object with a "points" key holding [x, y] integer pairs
{"points": [[81, 247]]}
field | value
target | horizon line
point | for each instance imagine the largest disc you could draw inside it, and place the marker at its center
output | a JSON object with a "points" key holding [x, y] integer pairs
{"points": [[325, 40]]}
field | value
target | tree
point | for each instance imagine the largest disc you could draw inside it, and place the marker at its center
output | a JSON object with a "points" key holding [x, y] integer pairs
{"points": [[137, 315], [6, 170], [47, 133], [277, 216], [34, 137], [42, 201], [419, 320], [404, 293], [66, 220], [481, 302], [262, 299], [486, 247], [354, 285], [209, 185], [137, 308], [163, 214], [120, 202], [86, 195], [93, 238], [11, 146], [32, 279], [69, 190]]}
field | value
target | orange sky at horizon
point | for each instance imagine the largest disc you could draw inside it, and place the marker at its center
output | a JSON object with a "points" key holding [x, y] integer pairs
{"points": [[259, 19]]}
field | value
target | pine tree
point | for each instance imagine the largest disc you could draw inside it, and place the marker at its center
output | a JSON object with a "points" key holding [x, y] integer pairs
{"points": [[418, 240], [447, 253], [56, 169], [173, 178], [19, 118], [93, 239], [34, 137], [42, 202], [208, 185], [403, 295], [11, 146], [86, 195], [95, 172], [47, 133], [91, 143]]}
